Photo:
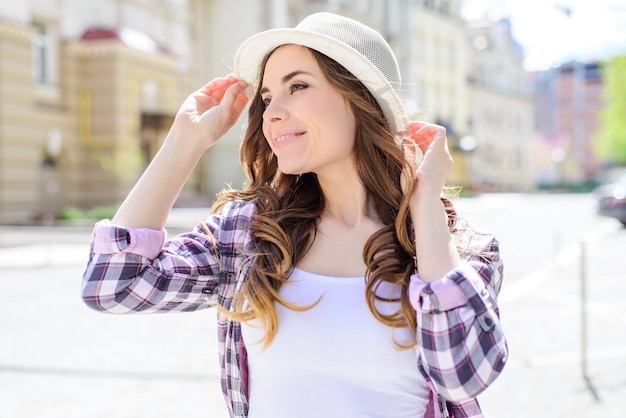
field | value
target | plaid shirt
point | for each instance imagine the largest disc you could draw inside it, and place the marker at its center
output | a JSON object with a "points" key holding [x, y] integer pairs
{"points": [[461, 347]]}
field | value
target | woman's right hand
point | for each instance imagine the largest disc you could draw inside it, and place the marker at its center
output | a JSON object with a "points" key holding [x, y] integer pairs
{"points": [[207, 114], [203, 118]]}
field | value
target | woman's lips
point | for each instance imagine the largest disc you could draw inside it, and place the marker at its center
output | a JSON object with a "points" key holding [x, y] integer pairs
{"points": [[283, 138]]}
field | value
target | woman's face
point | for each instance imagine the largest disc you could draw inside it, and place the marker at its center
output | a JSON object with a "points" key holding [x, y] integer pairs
{"points": [[308, 124]]}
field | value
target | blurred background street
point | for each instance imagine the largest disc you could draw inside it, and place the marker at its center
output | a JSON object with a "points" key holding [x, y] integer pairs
{"points": [[58, 359]]}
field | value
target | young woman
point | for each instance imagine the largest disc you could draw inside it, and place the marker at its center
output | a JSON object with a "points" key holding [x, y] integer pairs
{"points": [[345, 284]]}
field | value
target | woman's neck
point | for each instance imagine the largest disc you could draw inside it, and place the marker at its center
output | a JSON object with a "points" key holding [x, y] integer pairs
{"points": [[346, 199]]}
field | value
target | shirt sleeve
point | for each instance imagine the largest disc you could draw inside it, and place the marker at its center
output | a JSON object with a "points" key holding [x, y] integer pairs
{"points": [[137, 270], [109, 239], [461, 345]]}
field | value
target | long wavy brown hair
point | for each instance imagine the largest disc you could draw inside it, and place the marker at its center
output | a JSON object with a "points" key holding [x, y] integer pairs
{"points": [[289, 208]]}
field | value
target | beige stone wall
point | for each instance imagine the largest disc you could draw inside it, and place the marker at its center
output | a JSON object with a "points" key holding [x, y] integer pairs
{"points": [[78, 143], [20, 142], [115, 87], [78, 140]]}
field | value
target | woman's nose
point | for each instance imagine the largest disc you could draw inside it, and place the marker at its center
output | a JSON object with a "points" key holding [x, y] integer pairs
{"points": [[275, 111]]}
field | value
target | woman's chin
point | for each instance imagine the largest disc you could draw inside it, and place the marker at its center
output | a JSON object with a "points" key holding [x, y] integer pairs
{"points": [[289, 169]]}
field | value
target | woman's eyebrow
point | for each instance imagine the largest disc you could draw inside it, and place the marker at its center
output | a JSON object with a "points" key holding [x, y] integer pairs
{"points": [[286, 78]]}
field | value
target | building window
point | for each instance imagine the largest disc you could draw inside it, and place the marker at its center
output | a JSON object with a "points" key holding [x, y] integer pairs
{"points": [[44, 54], [445, 7]]}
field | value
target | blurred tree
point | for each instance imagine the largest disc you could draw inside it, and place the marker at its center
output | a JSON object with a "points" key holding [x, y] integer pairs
{"points": [[610, 144]]}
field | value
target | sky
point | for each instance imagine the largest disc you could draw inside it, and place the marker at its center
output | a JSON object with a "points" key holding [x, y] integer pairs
{"points": [[549, 35]]}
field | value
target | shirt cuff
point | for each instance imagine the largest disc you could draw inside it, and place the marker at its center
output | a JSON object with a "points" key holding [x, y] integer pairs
{"points": [[438, 296], [111, 239]]}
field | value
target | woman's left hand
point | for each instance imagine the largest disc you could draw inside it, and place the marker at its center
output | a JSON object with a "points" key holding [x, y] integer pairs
{"points": [[435, 249], [436, 163]]}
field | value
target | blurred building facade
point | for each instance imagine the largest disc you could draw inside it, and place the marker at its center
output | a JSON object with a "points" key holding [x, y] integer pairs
{"points": [[502, 126], [440, 61], [88, 90], [568, 104]]}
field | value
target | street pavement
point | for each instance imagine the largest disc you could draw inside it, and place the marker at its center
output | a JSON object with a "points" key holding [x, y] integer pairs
{"points": [[58, 359]]}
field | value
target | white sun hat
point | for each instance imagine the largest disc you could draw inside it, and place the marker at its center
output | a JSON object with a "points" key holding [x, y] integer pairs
{"points": [[360, 49]]}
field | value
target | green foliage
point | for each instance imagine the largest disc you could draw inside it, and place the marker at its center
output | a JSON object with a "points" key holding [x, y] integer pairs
{"points": [[121, 161], [97, 213], [610, 144]]}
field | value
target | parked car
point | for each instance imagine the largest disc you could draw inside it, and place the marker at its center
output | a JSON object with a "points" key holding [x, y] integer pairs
{"points": [[612, 199]]}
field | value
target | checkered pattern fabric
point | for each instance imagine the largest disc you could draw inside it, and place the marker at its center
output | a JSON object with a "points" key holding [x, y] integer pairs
{"points": [[461, 348]]}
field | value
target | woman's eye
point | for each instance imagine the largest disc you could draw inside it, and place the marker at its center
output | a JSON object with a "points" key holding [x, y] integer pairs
{"points": [[266, 101], [297, 86]]}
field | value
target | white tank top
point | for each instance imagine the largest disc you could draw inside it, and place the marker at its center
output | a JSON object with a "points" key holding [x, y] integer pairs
{"points": [[334, 360]]}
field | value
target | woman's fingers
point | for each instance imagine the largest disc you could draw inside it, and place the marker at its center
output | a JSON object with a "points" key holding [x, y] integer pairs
{"points": [[220, 103], [217, 87], [430, 141], [208, 113], [235, 99], [213, 92], [424, 134], [422, 137]]}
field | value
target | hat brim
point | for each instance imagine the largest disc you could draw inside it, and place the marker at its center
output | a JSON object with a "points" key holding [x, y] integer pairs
{"points": [[252, 51]]}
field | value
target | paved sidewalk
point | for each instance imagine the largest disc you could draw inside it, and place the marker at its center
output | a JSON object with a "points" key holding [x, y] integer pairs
{"points": [[58, 359], [542, 318]]}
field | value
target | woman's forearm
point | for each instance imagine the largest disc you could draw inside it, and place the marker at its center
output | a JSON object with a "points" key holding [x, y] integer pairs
{"points": [[435, 248], [150, 201], [204, 117]]}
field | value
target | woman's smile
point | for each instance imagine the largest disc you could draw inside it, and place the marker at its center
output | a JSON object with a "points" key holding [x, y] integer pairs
{"points": [[284, 137]]}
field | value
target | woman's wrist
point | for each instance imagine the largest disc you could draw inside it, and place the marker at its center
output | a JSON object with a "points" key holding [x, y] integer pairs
{"points": [[426, 198], [434, 246], [184, 144]]}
